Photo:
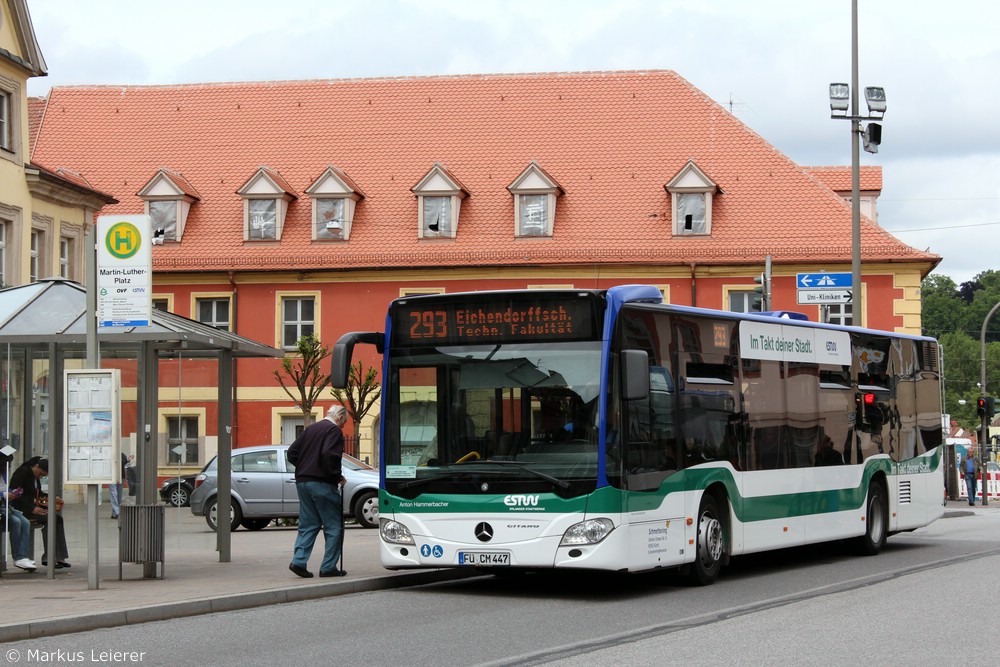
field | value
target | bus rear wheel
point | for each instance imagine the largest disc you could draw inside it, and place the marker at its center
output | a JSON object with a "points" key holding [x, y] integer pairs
{"points": [[876, 521], [710, 543]]}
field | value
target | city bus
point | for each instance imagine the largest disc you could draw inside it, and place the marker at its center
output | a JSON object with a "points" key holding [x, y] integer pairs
{"points": [[606, 430]]}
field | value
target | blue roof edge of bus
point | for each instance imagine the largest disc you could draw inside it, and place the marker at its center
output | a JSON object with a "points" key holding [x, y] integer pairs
{"points": [[786, 315]]}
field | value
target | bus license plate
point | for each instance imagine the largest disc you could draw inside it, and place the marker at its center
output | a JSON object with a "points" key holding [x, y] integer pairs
{"points": [[483, 558]]}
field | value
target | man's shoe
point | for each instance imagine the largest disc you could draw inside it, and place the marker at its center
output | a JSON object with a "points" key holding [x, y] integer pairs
{"points": [[59, 564], [25, 564], [114, 516], [301, 571], [333, 573]]}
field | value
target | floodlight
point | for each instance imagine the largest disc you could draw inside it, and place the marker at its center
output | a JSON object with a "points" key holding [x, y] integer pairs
{"points": [[840, 94], [875, 97]]}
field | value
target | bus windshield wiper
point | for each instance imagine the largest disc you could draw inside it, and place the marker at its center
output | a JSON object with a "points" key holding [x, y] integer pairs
{"points": [[561, 483], [555, 481]]}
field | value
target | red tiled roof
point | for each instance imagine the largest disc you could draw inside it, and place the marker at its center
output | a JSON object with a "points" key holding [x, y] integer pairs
{"points": [[178, 180], [36, 109], [610, 139], [838, 179]]}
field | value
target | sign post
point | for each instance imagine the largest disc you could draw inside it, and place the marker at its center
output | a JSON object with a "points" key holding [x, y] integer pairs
{"points": [[124, 271], [91, 437], [823, 288]]}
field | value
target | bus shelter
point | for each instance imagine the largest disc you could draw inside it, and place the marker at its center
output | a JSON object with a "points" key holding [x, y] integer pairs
{"points": [[43, 330]]}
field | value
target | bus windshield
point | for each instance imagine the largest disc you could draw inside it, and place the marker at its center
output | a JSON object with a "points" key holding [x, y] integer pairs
{"points": [[485, 418]]}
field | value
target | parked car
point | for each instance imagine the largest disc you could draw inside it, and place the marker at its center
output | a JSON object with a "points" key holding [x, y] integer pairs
{"points": [[263, 489], [176, 491]]}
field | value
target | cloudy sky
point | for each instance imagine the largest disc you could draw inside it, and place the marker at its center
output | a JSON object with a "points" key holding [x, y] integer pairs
{"points": [[769, 61]]}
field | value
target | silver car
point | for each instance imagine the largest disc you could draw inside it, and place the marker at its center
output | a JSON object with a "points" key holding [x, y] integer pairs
{"points": [[264, 489]]}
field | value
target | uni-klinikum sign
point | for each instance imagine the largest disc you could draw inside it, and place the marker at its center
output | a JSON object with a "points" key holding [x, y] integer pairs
{"points": [[124, 271]]}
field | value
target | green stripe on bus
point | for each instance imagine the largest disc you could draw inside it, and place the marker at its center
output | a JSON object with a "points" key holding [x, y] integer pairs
{"points": [[610, 500]]}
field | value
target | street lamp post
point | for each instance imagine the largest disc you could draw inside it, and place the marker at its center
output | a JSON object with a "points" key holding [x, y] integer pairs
{"points": [[875, 97], [985, 419]]}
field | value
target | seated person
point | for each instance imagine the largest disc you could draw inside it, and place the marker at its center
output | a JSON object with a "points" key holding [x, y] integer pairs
{"points": [[19, 528], [34, 505]]}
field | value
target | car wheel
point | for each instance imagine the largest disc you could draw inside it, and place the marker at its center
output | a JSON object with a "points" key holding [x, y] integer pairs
{"points": [[255, 524], [366, 509], [236, 514], [178, 496]]}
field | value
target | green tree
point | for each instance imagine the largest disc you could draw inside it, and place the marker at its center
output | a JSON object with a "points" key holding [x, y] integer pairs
{"points": [[942, 309], [360, 394], [304, 370]]}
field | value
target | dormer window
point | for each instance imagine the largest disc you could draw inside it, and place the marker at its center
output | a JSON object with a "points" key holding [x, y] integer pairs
{"points": [[265, 202], [334, 197], [439, 199], [168, 197], [535, 194], [691, 193]]}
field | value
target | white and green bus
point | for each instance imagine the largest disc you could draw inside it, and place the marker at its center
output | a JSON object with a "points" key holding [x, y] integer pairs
{"points": [[605, 430]]}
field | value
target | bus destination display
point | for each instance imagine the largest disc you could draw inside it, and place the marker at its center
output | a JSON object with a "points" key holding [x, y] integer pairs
{"points": [[470, 323]]}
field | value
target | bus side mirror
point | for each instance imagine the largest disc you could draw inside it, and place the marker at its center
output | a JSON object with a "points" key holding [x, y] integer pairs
{"points": [[635, 375], [343, 350]]}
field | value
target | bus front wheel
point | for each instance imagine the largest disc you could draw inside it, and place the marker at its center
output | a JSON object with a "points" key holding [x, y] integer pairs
{"points": [[710, 542]]}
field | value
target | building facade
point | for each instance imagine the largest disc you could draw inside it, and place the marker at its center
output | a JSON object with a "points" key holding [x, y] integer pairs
{"points": [[295, 207]]}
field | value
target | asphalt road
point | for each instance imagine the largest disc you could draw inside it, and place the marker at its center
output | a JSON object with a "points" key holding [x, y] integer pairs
{"points": [[817, 605]]}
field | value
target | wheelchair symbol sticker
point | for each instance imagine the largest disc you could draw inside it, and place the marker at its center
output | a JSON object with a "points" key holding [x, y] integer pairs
{"points": [[426, 550]]}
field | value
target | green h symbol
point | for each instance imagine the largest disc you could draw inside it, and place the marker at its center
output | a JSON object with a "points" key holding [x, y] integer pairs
{"points": [[121, 238]]}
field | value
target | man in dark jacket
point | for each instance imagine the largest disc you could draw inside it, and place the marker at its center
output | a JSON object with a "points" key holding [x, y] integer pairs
{"points": [[316, 455]]}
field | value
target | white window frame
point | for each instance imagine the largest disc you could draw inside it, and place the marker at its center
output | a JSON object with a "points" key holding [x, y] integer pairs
{"points": [[302, 326], [6, 120], [548, 203], [534, 182], [839, 313], [169, 228], [214, 300], [333, 185], [263, 187], [164, 188], [747, 296], [690, 187], [329, 225], [10, 120], [438, 183], [257, 202], [36, 255], [5, 226], [65, 256]]}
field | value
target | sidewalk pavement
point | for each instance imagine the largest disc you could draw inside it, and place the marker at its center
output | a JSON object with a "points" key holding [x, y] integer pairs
{"points": [[195, 582]]}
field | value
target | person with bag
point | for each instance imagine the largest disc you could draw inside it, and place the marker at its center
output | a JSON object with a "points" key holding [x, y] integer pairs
{"points": [[316, 455], [34, 504], [970, 468]]}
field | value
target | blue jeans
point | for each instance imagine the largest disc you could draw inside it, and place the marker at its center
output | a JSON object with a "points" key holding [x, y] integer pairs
{"points": [[320, 507], [20, 533], [115, 491], [970, 486]]}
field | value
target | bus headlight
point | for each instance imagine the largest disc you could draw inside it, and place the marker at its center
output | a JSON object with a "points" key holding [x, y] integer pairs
{"points": [[395, 532], [587, 532]]}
